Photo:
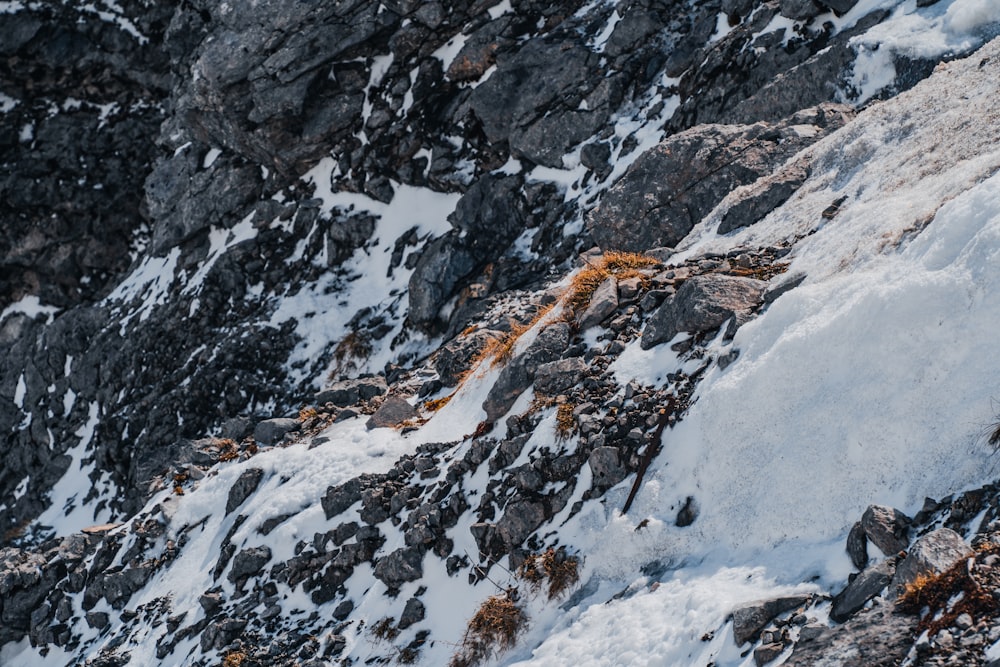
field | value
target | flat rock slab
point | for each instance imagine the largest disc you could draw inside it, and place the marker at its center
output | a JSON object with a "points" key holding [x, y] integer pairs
{"points": [[393, 412], [704, 303], [558, 376], [875, 638], [862, 588], [933, 553], [752, 617], [271, 431]]}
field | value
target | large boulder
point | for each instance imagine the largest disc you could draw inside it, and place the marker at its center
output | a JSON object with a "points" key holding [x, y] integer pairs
{"points": [[676, 183], [887, 528], [704, 303], [930, 554]]}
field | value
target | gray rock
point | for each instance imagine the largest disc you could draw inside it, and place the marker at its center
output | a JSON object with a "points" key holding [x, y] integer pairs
{"points": [[751, 618], [800, 10], [762, 197], [394, 411], [875, 638], [521, 519], [767, 652], [248, 563], [351, 392], [400, 566], [841, 6], [97, 619], [272, 431], [811, 631], [603, 302], [556, 377], [519, 373], [703, 303], [243, 488], [861, 589], [677, 182], [606, 468], [857, 546], [413, 612], [932, 553], [337, 499], [887, 528]]}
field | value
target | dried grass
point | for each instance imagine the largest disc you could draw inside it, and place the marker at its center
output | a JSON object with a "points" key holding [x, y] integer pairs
{"points": [[436, 404], [553, 567], [493, 628], [234, 659], [565, 421], [937, 591], [621, 265]]}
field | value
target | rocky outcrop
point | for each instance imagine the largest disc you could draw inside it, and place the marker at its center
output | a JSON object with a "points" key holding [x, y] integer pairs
{"points": [[676, 183]]}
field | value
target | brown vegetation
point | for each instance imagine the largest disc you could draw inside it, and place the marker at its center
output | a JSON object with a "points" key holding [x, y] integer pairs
{"points": [[493, 628], [621, 265], [554, 567]]}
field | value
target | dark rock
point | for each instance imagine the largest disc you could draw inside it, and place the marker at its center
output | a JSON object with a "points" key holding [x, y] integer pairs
{"points": [[520, 520], [767, 652], [557, 376], [751, 618], [800, 10], [393, 412], [413, 612], [841, 6], [97, 619], [875, 638], [762, 197], [857, 546], [249, 562], [930, 554], [272, 431], [337, 499], [603, 302], [243, 488], [606, 467], [400, 566], [351, 392], [704, 303], [861, 589], [687, 514], [887, 528], [519, 373], [675, 184]]}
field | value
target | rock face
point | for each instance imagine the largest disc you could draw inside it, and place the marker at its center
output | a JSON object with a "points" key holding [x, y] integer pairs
{"points": [[676, 183], [931, 554], [878, 638], [704, 303]]}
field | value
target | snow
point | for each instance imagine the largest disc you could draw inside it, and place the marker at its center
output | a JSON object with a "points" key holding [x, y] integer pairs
{"points": [[322, 310], [210, 157], [31, 306], [6, 101], [220, 241], [150, 282]]}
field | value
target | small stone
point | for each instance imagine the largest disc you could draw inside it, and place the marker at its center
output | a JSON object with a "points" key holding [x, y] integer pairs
{"points": [[811, 631], [768, 652], [413, 612], [963, 622], [887, 528], [243, 488]]}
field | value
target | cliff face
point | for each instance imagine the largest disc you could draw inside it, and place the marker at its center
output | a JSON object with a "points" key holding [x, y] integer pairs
{"points": [[352, 312]]}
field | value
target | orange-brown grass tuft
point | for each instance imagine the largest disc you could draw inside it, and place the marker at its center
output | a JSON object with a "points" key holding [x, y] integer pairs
{"points": [[385, 630], [500, 349], [935, 592], [228, 449], [552, 566], [493, 628], [763, 272], [565, 421], [234, 659], [306, 413], [436, 404], [622, 265]]}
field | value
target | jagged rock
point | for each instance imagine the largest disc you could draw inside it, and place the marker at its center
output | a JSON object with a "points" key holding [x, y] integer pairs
{"points": [[857, 546], [488, 217], [677, 182], [337, 499], [351, 392], [97, 619], [400, 566], [687, 513], [861, 589], [243, 488], [541, 116], [557, 376], [887, 528], [393, 412], [800, 10], [520, 520], [762, 197], [272, 431], [413, 612], [606, 467], [249, 563], [930, 554], [703, 303], [117, 587], [840, 6], [875, 638], [519, 373], [603, 302], [767, 652], [217, 636], [455, 357], [751, 618]]}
